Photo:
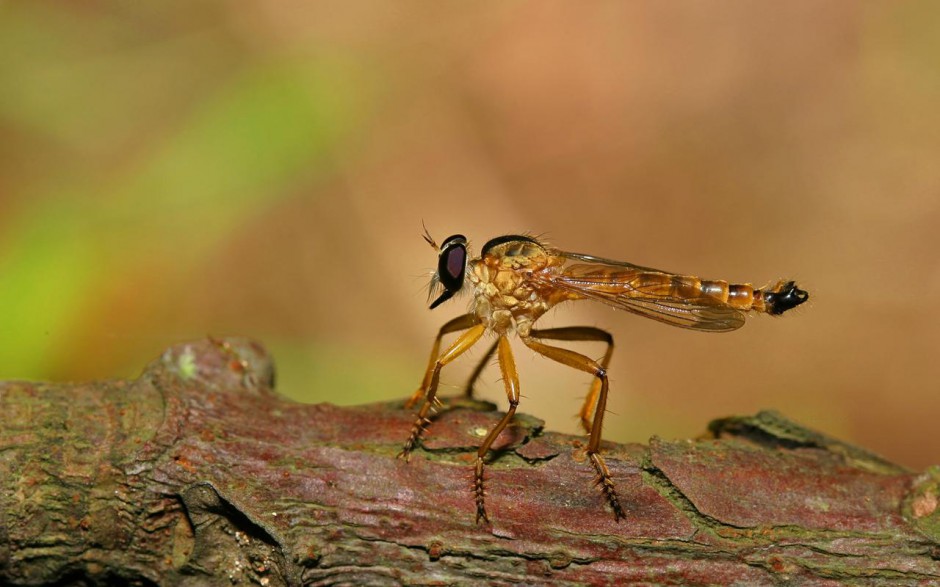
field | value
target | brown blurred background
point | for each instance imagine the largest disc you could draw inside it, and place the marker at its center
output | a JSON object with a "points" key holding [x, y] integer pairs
{"points": [[174, 169]]}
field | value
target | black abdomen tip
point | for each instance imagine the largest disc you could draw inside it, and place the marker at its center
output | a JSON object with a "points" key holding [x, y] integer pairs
{"points": [[786, 297]]}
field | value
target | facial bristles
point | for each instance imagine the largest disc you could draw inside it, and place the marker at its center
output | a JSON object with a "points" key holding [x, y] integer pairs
{"points": [[434, 286]]}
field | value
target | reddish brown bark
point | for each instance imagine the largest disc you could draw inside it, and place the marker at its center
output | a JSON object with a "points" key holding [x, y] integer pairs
{"points": [[198, 473]]}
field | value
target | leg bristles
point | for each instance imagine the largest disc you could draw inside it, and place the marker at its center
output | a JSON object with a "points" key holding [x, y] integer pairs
{"points": [[607, 485], [479, 492]]}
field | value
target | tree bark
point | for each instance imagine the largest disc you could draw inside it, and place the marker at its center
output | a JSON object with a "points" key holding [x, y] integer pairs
{"points": [[198, 473]]}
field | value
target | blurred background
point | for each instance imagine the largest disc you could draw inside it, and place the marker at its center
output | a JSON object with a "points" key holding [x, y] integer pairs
{"points": [[181, 168]]}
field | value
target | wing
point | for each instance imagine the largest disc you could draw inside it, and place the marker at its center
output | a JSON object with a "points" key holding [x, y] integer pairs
{"points": [[666, 297]]}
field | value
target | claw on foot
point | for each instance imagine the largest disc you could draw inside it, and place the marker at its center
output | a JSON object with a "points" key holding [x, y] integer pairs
{"points": [[410, 444], [607, 485], [479, 492], [417, 429]]}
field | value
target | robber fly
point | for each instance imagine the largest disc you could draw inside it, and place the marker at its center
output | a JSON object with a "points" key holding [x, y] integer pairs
{"points": [[517, 278]]}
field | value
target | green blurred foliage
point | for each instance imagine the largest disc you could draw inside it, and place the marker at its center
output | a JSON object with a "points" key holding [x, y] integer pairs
{"points": [[138, 146]]}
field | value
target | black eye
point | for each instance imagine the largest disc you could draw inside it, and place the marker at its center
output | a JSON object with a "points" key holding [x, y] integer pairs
{"points": [[451, 267]]}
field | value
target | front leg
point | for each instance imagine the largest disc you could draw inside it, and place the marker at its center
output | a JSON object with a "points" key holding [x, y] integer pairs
{"points": [[459, 323], [459, 346]]}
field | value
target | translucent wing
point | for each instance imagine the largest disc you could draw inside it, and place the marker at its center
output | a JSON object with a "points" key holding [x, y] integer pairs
{"points": [[667, 297]]}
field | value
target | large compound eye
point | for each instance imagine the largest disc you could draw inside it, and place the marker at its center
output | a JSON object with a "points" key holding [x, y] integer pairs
{"points": [[452, 264], [451, 267]]}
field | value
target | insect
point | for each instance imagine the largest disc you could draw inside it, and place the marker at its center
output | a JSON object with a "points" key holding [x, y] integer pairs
{"points": [[517, 278]]}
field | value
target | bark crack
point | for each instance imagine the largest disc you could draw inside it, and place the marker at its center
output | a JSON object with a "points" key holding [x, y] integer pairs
{"points": [[197, 473]]}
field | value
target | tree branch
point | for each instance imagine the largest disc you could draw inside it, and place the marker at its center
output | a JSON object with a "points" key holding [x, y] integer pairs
{"points": [[198, 473]]}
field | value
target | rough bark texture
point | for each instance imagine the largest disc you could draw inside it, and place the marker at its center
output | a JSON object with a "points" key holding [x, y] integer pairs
{"points": [[197, 473]]}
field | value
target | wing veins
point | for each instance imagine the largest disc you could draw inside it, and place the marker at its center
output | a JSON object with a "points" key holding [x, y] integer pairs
{"points": [[705, 313]]}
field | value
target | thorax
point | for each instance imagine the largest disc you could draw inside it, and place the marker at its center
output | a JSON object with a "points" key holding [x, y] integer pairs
{"points": [[510, 292]]}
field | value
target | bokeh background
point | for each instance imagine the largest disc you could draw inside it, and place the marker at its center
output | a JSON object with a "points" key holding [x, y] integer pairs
{"points": [[175, 169]]}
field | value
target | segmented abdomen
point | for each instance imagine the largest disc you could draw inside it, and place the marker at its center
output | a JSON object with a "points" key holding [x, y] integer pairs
{"points": [[740, 296]]}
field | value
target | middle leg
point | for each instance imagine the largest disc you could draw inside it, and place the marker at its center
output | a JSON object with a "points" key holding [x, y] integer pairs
{"points": [[511, 380]]}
